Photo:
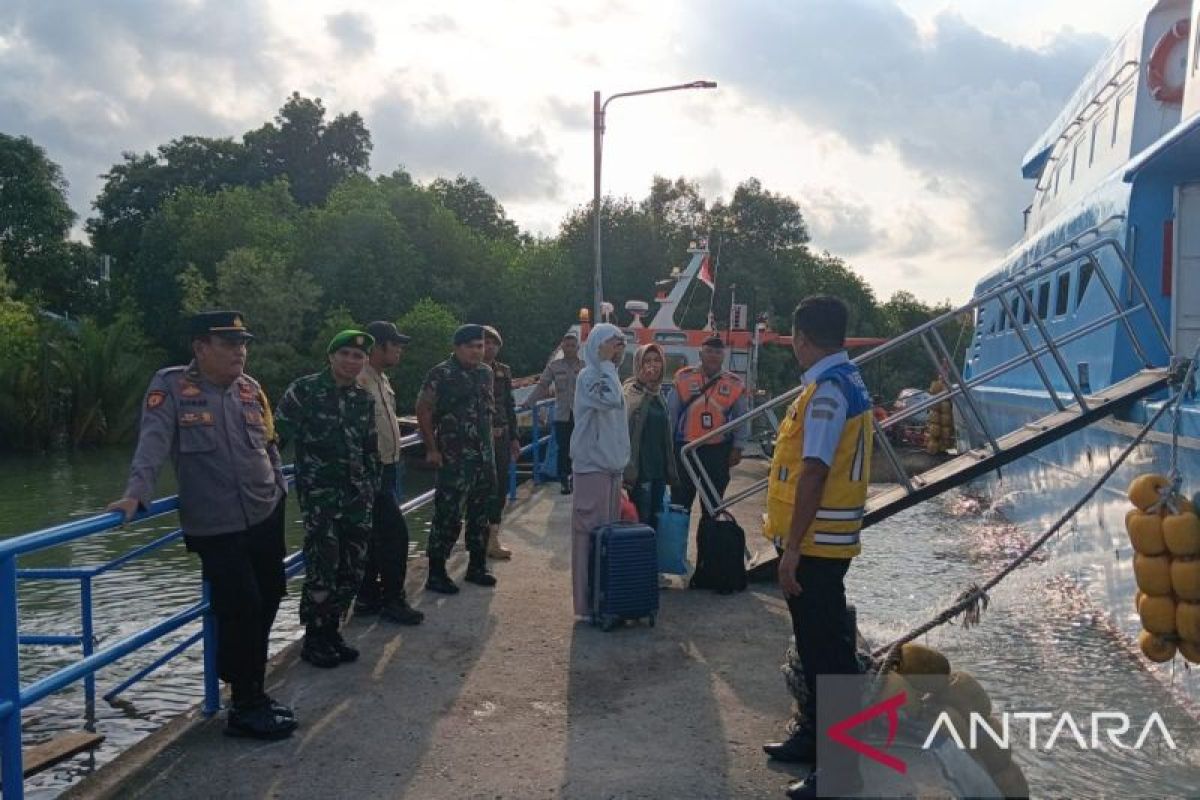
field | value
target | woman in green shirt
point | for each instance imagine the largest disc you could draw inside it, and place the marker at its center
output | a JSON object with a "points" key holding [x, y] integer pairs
{"points": [[651, 465]]}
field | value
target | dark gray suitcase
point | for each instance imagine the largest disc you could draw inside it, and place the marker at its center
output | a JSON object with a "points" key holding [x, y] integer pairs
{"points": [[624, 574]]}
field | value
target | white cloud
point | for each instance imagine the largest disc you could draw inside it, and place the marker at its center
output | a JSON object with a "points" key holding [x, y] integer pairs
{"points": [[897, 124]]}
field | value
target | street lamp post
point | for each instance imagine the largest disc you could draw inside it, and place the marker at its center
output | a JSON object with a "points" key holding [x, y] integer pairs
{"points": [[598, 110]]}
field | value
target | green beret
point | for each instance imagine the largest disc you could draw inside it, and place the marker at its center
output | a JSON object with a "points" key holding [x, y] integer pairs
{"points": [[351, 338]]}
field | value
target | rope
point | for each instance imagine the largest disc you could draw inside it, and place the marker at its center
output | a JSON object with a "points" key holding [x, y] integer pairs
{"points": [[972, 602]]}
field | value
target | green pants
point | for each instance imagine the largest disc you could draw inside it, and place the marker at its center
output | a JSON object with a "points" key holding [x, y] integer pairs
{"points": [[469, 486], [334, 553]]}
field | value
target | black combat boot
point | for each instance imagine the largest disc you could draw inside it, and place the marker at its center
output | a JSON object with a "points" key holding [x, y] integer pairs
{"points": [[799, 748], [345, 652], [318, 650], [477, 572], [252, 714], [438, 580], [367, 608], [401, 613]]}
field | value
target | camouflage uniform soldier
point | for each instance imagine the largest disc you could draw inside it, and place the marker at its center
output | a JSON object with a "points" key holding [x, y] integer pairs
{"points": [[455, 410], [332, 421], [505, 438]]}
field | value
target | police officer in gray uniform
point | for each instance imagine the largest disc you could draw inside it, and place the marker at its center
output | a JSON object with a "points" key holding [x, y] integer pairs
{"points": [[214, 423]]}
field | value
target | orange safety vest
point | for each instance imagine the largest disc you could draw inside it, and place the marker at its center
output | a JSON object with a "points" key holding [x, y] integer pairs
{"points": [[710, 410]]}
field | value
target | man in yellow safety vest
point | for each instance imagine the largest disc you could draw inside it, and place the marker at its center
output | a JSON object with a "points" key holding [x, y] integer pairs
{"points": [[815, 501]]}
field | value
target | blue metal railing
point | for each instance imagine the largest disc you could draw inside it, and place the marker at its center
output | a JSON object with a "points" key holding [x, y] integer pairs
{"points": [[14, 698]]}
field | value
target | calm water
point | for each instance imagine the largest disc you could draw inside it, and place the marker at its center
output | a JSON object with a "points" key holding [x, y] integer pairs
{"points": [[1040, 647]]}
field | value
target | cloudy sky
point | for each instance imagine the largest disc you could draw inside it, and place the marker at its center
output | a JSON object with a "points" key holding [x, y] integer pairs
{"points": [[897, 124]]}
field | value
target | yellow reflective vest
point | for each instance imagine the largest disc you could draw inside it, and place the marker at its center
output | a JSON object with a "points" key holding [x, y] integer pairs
{"points": [[834, 532]]}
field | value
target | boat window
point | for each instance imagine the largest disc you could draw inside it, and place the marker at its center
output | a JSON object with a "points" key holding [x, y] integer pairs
{"points": [[1076, 167], [675, 362], [1099, 139], [1085, 277], [1123, 117], [1027, 311], [1062, 296], [1043, 299], [1015, 305]]}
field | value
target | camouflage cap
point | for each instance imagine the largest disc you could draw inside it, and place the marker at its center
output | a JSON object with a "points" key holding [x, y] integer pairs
{"points": [[351, 338], [468, 333]]}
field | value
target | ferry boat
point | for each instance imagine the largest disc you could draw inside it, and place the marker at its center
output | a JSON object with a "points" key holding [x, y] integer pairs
{"points": [[1119, 165]]}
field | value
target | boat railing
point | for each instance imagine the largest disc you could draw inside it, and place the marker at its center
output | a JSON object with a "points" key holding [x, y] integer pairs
{"points": [[1037, 343], [14, 696]]}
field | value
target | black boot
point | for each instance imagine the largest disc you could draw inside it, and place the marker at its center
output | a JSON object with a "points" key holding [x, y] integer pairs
{"points": [[318, 649], [252, 714], [477, 572], [438, 580], [799, 748], [345, 652], [401, 613]]}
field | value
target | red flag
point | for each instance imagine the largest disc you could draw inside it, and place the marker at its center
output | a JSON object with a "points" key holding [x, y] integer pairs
{"points": [[706, 274]]}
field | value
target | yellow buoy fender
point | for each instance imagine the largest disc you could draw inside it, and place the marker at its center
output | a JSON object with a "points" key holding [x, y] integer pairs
{"points": [[1187, 621], [1158, 614], [993, 756], [1011, 781], [1181, 533], [1145, 532], [894, 683], [964, 694], [1146, 490], [1156, 648], [1190, 651], [1185, 577], [1153, 574]]}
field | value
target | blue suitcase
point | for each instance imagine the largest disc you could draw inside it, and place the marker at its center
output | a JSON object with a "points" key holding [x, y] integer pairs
{"points": [[624, 574]]}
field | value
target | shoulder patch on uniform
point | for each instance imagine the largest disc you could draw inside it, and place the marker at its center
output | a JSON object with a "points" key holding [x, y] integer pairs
{"points": [[155, 398]]}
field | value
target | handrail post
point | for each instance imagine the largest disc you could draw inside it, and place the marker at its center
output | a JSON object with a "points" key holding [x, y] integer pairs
{"points": [[87, 634], [12, 779], [212, 681], [512, 478], [533, 452]]}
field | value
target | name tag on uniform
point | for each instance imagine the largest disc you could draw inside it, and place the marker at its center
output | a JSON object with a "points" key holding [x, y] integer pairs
{"points": [[706, 420], [189, 418], [188, 389]]}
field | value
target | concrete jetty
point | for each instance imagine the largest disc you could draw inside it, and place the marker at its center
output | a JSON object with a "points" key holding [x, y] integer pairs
{"points": [[501, 695]]}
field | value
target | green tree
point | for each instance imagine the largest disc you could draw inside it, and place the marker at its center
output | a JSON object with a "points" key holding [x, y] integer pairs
{"points": [[106, 369], [300, 145], [431, 326], [198, 230], [313, 154], [474, 207], [34, 221], [278, 300]]}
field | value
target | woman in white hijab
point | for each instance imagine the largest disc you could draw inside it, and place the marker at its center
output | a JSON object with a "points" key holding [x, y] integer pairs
{"points": [[599, 450]]}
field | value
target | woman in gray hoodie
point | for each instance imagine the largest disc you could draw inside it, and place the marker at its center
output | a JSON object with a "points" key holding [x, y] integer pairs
{"points": [[599, 450]]}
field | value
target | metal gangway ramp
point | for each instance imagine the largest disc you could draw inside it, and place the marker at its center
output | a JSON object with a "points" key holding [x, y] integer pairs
{"points": [[982, 447]]}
